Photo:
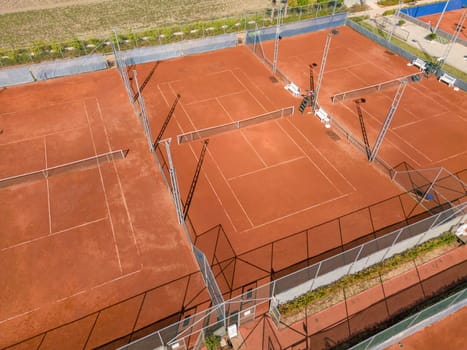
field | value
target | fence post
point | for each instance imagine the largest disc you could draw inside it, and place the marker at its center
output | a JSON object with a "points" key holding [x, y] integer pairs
{"points": [[356, 258], [316, 276]]}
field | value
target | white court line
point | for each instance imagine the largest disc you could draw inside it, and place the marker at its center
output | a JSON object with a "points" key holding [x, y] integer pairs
{"points": [[231, 190], [386, 140], [43, 135], [321, 155], [105, 193], [450, 157], [119, 184], [211, 98], [192, 151], [255, 85], [252, 95], [70, 297], [296, 212], [267, 167], [48, 235], [19, 315], [243, 135], [47, 187], [78, 101]]}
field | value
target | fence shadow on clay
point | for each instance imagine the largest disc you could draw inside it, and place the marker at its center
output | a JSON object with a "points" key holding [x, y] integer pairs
{"points": [[240, 273]]}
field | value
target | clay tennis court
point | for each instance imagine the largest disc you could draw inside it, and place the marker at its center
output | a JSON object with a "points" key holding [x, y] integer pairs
{"points": [[77, 242], [428, 126], [449, 23], [266, 180], [110, 232], [447, 334]]}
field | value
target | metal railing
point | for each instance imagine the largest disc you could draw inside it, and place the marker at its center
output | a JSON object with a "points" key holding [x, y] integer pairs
{"points": [[287, 288], [411, 324]]}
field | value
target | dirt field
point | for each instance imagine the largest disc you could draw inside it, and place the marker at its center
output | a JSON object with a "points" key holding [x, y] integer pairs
{"points": [[64, 20], [10, 6]]}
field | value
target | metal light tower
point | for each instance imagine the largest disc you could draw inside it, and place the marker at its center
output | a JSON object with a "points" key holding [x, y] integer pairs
{"points": [[393, 29], [387, 121], [173, 180], [143, 114], [276, 40], [323, 63], [440, 18], [454, 38]]}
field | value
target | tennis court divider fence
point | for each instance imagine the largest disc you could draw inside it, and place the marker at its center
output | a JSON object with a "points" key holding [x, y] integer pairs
{"points": [[268, 297], [415, 322]]}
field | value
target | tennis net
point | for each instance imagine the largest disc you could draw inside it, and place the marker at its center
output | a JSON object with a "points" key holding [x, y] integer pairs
{"points": [[374, 88], [64, 168], [207, 132]]}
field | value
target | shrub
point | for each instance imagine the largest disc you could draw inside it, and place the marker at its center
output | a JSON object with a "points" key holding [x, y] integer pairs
{"points": [[212, 342], [389, 12], [369, 273]]}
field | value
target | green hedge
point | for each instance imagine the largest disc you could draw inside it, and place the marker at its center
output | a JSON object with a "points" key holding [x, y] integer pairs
{"points": [[370, 273]]}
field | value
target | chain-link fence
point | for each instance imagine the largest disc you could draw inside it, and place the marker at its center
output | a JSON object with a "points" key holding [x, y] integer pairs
{"points": [[389, 25], [178, 49], [440, 32], [430, 187], [255, 36], [368, 254], [257, 301], [413, 323], [52, 69], [396, 49]]}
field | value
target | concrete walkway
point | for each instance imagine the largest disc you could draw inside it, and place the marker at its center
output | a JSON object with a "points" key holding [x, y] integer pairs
{"points": [[416, 38]]}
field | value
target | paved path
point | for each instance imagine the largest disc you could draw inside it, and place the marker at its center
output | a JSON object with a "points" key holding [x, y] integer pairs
{"points": [[455, 55]]}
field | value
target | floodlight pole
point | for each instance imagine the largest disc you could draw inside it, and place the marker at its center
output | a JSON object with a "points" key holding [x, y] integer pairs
{"points": [[173, 180], [323, 63], [143, 114], [454, 38], [387, 121], [276, 40], [393, 29], [440, 17]]}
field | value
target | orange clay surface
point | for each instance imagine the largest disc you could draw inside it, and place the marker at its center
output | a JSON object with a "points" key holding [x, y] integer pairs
{"points": [[449, 23], [428, 128], [448, 333], [76, 242]]}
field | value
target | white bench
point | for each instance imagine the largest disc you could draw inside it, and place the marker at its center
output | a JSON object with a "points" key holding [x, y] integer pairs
{"points": [[294, 89], [418, 62], [446, 78], [323, 116]]}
